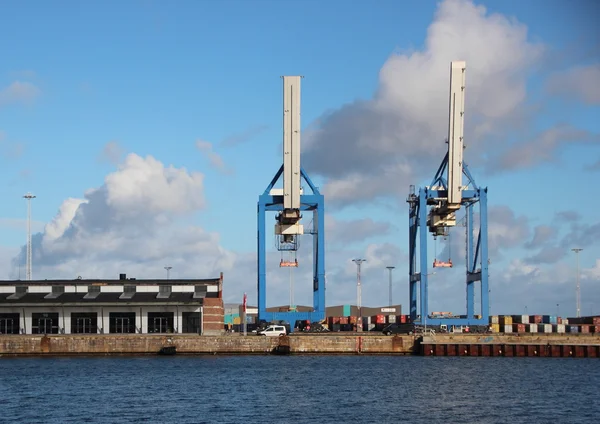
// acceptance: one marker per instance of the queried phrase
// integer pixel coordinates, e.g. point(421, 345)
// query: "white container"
point(532, 328)
point(560, 328)
point(391, 319)
point(565, 321)
point(508, 328)
point(494, 319)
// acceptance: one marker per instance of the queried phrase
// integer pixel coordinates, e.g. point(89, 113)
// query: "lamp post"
point(358, 263)
point(29, 196)
point(168, 268)
point(390, 268)
point(578, 290)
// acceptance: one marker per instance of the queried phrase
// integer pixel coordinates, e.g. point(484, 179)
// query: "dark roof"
point(127, 282)
point(102, 298)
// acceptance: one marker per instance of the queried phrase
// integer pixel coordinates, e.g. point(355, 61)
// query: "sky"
point(148, 129)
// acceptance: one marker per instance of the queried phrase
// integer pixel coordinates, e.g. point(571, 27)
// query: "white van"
point(273, 330)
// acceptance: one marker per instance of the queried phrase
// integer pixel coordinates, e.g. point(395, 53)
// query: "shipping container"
point(352, 320)
point(558, 328)
point(378, 319)
point(520, 319)
point(495, 328)
point(346, 310)
point(343, 320)
point(573, 329)
point(559, 320)
point(237, 320)
point(518, 328)
point(532, 328)
point(508, 328)
point(549, 319)
point(565, 321)
point(336, 320)
point(595, 329)
point(391, 319)
point(494, 319)
point(505, 320)
point(370, 327)
point(584, 328)
point(544, 328)
point(537, 319)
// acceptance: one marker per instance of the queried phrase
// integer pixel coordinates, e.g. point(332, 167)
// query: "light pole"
point(358, 263)
point(390, 268)
point(578, 292)
point(168, 268)
point(29, 196)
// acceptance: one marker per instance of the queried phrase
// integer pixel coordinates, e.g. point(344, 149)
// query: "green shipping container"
point(347, 311)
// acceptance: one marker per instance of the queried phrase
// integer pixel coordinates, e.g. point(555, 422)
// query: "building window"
point(21, 289)
point(58, 289)
point(121, 322)
point(93, 289)
point(160, 322)
point(9, 323)
point(191, 322)
point(84, 322)
point(44, 323)
point(129, 289)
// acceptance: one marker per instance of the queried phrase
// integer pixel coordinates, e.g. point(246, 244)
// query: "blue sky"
point(83, 85)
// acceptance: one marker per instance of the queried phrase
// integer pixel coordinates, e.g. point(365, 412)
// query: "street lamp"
point(578, 291)
point(168, 268)
point(358, 263)
point(28, 277)
point(390, 268)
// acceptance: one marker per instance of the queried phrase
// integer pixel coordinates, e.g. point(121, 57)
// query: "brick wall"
point(213, 317)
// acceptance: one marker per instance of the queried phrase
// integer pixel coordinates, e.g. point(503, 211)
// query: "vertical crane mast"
point(288, 220)
point(456, 133)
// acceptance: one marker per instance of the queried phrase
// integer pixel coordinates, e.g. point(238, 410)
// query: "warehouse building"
point(126, 305)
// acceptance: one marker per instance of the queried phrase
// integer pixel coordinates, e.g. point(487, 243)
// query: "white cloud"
point(215, 160)
point(112, 152)
point(397, 137)
point(19, 92)
point(580, 82)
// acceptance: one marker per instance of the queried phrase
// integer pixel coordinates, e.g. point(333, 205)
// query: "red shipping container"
point(584, 329)
point(595, 329)
point(402, 319)
point(343, 320)
point(596, 320)
point(558, 320)
point(537, 319)
point(519, 328)
point(378, 319)
point(336, 320)
point(352, 320)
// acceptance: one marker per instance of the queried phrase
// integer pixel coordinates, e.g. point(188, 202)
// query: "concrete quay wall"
point(16, 345)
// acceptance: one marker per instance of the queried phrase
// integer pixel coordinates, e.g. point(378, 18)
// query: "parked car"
point(273, 331)
point(398, 328)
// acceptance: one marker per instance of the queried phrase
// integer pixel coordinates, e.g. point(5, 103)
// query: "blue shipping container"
point(549, 319)
point(573, 329)
point(347, 311)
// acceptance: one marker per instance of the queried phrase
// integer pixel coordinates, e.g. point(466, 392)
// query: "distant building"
point(126, 305)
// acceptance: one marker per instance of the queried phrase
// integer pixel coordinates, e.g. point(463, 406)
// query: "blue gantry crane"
point(434, 210)
point(289, 202)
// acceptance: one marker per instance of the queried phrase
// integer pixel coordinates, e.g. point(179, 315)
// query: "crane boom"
point(288, 220)
point(456, 133)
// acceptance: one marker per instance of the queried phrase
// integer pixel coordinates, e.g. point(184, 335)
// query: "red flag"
point(245, 299)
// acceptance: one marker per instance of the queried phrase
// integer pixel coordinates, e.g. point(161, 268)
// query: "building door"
point(121, 325)
point(191, 322)
point(160, 322)
point(122, 322)
point(9, 323)
point(160, 325)
point(84, 322)
point(6, 325)
point(44, 323)
point(45, 326)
